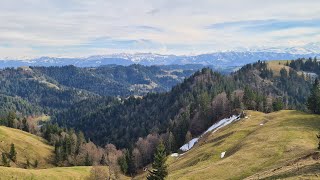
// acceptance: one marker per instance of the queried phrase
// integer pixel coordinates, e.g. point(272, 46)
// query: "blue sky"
point(33, 28)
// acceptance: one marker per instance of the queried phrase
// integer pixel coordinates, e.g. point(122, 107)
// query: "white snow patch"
point(189, 145)
point(174, 155)
point(223, 154)
point(222, 123)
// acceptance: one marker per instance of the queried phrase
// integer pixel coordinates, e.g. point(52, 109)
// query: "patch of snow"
point(189, 145)
point(223, 154)
point(222, 123)
point(174, 155)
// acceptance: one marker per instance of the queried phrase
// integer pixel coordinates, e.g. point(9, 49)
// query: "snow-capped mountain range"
point(219, 59)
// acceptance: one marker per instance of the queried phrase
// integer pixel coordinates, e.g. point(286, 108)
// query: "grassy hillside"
point(78, 172)
point(276, 66)
point(259, 146)
point(28, 146)
point(57, 173)
point(32, 147)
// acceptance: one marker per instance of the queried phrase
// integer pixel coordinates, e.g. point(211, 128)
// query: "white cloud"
point(66, 27)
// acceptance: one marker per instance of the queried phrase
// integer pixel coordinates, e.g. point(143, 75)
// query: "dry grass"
point(47, 174)
point(57, 173)
point(250, 148)
point(28, 146)
point(276, 66)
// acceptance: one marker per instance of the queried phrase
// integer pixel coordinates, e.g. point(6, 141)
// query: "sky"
point(76, 28)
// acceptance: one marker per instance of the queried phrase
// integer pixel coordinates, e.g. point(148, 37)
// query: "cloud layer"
point(82, 28)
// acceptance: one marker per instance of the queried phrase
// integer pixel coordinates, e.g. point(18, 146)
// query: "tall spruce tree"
point(87, 161)
point(13, 153)
point(314, 98)
point(11, 117)
point(159, 168)
point(25, 125)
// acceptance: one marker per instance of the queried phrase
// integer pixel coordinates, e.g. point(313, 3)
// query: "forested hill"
point(37, 90)
point(113, 80)
point(189, 108)
point(25, 91)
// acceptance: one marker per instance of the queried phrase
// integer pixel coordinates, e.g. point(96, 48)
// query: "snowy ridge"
point(222, 123)
point(218, 59)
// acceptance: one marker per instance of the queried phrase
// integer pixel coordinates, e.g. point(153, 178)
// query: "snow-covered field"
point(220, 124)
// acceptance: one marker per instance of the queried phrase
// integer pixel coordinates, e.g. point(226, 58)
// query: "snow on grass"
point(174, 155)
point(223, 154)
point(222, 123)
point(189, 145)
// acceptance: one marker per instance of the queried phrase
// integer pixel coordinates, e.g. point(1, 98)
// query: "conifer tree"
point(87, 161)
point(13, 153)
point(25, 125)
point(11, 117)
point(159, 171)
point(314, 98)
point(122, 161)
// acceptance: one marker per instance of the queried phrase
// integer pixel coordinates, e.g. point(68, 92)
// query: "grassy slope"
point(250, 148)
point(276, 66)
point(78, 172)
point(28, 146)
point(57, 173)
point(34, 147)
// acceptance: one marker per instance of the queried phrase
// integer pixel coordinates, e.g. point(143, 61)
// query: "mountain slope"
point(200, 100)
point(38, 90)
point(123, 123)
point(255, 144)
point(28, 146)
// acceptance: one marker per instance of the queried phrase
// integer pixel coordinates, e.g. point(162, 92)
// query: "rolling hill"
point(264, 146)
point(28, 146)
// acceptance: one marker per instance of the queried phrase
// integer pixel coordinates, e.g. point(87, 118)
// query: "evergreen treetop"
point(159, 166)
